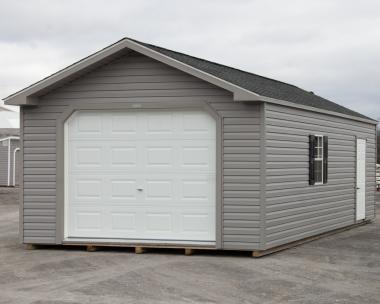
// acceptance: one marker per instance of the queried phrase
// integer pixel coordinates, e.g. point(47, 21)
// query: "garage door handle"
point(140, 189)
point(357, 188)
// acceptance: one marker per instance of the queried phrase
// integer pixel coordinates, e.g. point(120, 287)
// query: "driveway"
point(343, 268)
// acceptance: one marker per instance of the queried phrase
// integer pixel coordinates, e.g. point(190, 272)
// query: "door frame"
point(357, 139)
point(134, 106)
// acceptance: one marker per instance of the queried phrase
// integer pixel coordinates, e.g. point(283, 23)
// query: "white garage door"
point(140, 175)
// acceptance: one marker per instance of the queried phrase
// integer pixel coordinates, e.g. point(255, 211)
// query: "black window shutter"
point(325, 158)
point(311, 159)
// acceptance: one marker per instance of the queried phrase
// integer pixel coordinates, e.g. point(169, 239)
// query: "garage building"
point(137, 144)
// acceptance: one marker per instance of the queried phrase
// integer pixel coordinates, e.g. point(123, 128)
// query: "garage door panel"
point(86, 156)
point(123, 189)
point(202, 127)
point(87, 189)
point(123, 156)
point(159, 123)
point(136, 223)
point(142, 175)
point(159, 222)
point(196, 190)
point(196, 222)
point(89, 123)
point(123, 222)
point(139, 125)
point(123, 124)
point(159, 189)
point(87, 221)
point(197, 156)
point(161, 156)
point(187, 155)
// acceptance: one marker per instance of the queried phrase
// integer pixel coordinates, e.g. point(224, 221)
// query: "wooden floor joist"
point(140, 250)
point(189, 251)
point(30, 246)
point(91, 248)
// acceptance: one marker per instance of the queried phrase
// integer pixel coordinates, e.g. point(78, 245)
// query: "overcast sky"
point(331, 47)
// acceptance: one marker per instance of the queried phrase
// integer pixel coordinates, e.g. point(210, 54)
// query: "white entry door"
point(140, 175)
point(360, 178)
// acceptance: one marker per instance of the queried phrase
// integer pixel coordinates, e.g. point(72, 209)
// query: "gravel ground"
point(343, 268)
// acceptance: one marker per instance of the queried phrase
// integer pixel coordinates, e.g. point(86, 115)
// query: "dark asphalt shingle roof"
point(255, 83)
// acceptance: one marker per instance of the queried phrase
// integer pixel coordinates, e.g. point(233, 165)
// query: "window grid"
point(318, 160)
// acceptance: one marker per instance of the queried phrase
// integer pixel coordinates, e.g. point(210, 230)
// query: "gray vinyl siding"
point(295, 210)
point(241, 175)
point(3, 163)
point(136, 78)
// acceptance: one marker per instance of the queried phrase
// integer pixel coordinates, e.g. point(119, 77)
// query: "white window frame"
point(319, 158)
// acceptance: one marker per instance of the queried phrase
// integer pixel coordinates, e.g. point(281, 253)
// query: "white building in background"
point(9, 146)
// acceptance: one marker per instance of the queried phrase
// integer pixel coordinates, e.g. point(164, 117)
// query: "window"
point(318, 159)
